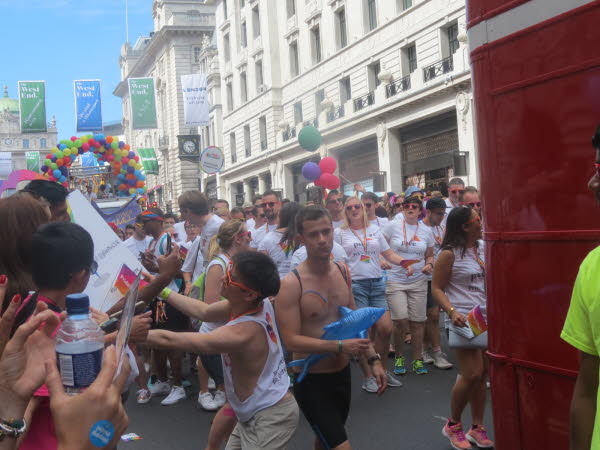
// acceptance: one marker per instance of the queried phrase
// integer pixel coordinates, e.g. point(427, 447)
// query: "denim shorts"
point(369, 292)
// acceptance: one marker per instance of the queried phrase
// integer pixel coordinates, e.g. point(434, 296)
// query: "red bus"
point(536, 76)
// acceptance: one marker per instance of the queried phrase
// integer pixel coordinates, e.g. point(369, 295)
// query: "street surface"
point(408, 417)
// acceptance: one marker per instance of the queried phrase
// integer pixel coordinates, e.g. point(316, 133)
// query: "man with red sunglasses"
point(470, 197)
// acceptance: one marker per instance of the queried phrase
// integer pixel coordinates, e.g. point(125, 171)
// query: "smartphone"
point(110, 325)
point(139, 308)
point(169, 244)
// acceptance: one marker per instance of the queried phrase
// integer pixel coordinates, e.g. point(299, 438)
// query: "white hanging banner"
point(195, 100)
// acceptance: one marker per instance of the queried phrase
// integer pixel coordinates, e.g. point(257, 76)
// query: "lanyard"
point(364, 243)
point(478, 259)
point(438, 238)
point(153, 244)
point(404, 231)
point(247, 313)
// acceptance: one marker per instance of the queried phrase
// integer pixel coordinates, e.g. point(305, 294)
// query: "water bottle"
point(79, 346)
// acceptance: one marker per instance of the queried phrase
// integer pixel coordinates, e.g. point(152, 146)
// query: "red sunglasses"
point(350, 207)
point(473, 220)
point(229, 282)
point(246, 233)
point(411, 206)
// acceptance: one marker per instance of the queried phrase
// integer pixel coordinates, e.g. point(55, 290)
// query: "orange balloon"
point(139, 184)
point(59, 162)
point(109, 139)
point(130, 176)
point(126, 147)
point(122, 187)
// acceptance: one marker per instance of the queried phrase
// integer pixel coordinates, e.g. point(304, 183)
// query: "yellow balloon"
point(138, 166)
point(132, 190)
point(131, 162)
point(54, 150)
point(67, 152)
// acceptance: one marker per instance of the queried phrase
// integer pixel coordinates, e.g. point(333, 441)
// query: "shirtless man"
point(309, 299)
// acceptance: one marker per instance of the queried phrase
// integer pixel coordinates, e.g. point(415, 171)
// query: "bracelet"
point(451, 309)
point(165, 293)
point(12, 428)
point(339, 346)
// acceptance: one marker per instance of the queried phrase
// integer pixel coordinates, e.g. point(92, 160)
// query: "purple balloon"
point(130, 169)
point(311, 171)
point(44, 169)
point(131, 155)
point(121, 144)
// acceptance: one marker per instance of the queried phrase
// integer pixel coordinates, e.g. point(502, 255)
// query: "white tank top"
point(466, 287)
point(273, 382)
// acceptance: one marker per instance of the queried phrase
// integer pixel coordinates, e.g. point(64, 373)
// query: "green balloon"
point(59, 155)
point(77, 143)
point(47, 162)
point(114, 145)
point(71, 144)
point(54, 166)
point(309, 138)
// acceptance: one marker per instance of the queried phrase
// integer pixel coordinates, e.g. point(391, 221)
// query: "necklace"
point(404, 231)
point(247, 313)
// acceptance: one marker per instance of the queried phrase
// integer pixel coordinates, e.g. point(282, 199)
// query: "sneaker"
point(370, 385)
point(479, 437)
point(456, 436)
point(399, 368)
point(427, 357)
point(206, 402)
point(392, 381)
point(160, 388)
point(177, 394)
point(440, 361)
point(143, 396)
point(419, 368)
point(211, 384)
point(220, 398)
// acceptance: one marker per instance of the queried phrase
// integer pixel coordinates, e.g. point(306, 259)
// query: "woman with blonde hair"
point(364, 243)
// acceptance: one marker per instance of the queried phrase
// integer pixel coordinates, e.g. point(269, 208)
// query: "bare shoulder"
point(289, 290)
point(446, 256)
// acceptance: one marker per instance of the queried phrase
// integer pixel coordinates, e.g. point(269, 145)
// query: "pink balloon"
point(329, 181)
point(328, 165)
point(85, 146)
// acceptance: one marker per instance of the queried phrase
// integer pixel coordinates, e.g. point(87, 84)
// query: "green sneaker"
point(418, 367)
point(399, 368)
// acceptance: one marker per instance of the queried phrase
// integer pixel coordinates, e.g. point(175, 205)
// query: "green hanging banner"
point(32, 106)
point(33, 161)
point(148, 160)
point(143, 103)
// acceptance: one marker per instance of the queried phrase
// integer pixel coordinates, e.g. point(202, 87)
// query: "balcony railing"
point(163, 141)
point(335, 113)
point(312, 122)
point(401, 85)
point(248, 150)
point(364, 101)
point(289, 134)
point(263, 144)
point(439, 68)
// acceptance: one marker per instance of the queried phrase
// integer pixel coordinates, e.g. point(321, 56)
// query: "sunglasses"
point(331, 202)
point(229, 282)
point(246, 233)
point(351, 207)
point(368, 205)
point(262, 216)
point(475, 219)
point(268, 204)
point(457, 191)
point(471, 204)
point(411, 206)
point(397, 205)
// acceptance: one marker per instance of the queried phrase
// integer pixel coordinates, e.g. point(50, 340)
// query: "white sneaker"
point(370, 385)
point(211, 384)
point(427, 357)
point(177, 394)
point(392, 381)
point(143, 396)
point(160, 388)
point(440, 361)
point(206, 402)
point(220, 398)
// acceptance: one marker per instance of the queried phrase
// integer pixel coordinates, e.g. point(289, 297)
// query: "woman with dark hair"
point(458, 286)
point(280, 244)
point(20, 216)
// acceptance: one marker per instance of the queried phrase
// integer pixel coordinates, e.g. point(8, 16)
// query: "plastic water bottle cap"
point(78, 304)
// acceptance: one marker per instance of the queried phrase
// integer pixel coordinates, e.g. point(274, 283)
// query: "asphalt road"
point(407, 417)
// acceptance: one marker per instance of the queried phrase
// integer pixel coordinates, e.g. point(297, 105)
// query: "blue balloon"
point(142, 177)
point(137, 174)
point(62, 146)
point(102, 141)
point(107, 146)
point(140, 191)
point(130, 169)
point(121, 144)
point(57, 173)
point(62, 179)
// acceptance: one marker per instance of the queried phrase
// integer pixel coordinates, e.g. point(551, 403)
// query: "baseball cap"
point(411, 190)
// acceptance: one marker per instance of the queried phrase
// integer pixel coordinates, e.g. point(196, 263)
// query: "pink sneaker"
point(456, 436)
point(478, 436)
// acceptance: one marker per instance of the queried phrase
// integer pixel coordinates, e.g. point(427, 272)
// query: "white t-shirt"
point(278, 251)
point(250, 224)
point(362, 262)
point(180, 236)
point(411, 242)
point(337, 254)
point(259, 235)
point(337, 224)
point(207, 327)
point(466, 286)
point(194, 260)
point(137, 246)
point(399, 216)
point(437, 233)
point(449, 207)
point(380, 222)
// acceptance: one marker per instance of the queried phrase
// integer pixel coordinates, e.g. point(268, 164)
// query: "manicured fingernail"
point(2, 279)
point(17, 298)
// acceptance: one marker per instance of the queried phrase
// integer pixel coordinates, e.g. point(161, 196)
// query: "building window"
point(243, 87)
point(298, 116)
point(243, 35)
point(291, 8)
point(452, 33)
point(226, 47)
point(43, 143)
point(242, 3)
point(225, 12)
point(319, 97)
point(229, 97)
point(211, 134)
point(255, 22)
point(247, 144)
point(25, 143)
point(345, 90)
point(403, 5)
point(341, 30)
point(315, 37)
point(258, 69)
point(371, 14)
point(197, 51)
point(232, 148)
point(294, 63)
point(373, 75)
point(262, 128)
point(409, 59)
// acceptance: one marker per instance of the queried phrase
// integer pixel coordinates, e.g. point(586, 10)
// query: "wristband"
point(165, 293)
point(339, 346)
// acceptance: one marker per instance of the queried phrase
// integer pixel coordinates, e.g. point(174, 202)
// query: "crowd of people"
point(240, 292)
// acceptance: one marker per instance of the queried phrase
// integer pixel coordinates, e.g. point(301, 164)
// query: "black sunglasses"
point(350, 207)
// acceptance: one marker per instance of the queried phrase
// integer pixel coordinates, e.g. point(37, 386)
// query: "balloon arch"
point(125, 164)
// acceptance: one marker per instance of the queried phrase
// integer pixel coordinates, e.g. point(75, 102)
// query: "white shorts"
point(407, 301)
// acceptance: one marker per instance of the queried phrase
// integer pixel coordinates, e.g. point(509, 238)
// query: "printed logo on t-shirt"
point(270, 329)
point(365, 258)
point(285, 247)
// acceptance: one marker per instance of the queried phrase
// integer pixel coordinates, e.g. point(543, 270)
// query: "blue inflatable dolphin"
point(352, 325)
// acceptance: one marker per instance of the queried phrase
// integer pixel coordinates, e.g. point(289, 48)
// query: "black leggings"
point(324, 399)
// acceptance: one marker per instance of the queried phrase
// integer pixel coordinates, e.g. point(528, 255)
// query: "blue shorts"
point(369, 292)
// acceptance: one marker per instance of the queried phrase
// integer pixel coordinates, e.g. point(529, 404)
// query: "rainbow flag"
point(476, 321)
point(408, 262)
point(365, 258)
